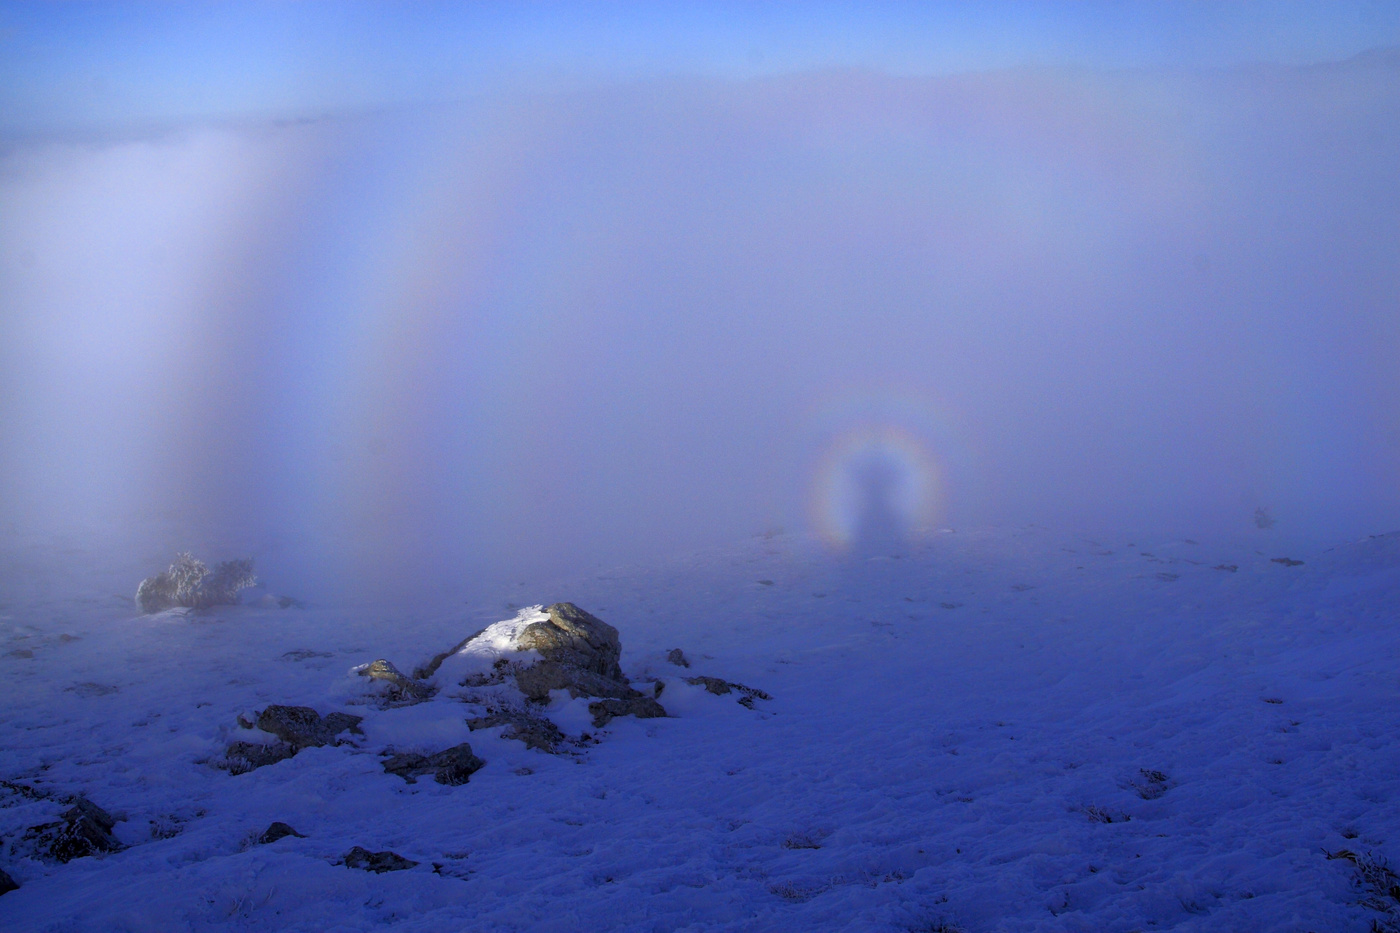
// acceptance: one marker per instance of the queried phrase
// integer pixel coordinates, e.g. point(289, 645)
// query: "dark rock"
point(575, 638)
point(302, 727)
point(83, 829)
point(721, 687)
point(1228, 568)
point(396, 689)
point(242, 757)
point(7, 884)
point(303, 654)
point(451, 766)
point(643, 707)
point(380, 862)
point(677, 657)
point(1288, 562)
point(535, 731)
point(537, 680)
point(278, 830)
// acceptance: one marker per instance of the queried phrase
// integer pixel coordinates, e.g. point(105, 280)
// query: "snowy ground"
point(992, 732)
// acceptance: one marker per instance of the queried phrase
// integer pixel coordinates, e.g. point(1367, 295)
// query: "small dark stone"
point(398, 690)
point(677, 657)
point(713, 684)
point(242, 757)
point(7, 884)
point(84, 829)
point(1288, 562)
point(451, 766)
point(535, 731)
point(278, 830)
point(721, 687)
point(643, 707)
point(302, 727)
point(379, 862)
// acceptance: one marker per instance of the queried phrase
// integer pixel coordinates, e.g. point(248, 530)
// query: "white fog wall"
point(542, 332)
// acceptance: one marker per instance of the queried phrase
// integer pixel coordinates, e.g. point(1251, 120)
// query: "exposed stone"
point(380, 862)
point(537, 680)
point(575, 638)
point(242, 757)
point(83, 829)
point(721, 687)
point(677, 657)
point(396, 689)
point(643, 707)
point(303, 727)
point(189, 583)
point(297, 727)
point(7, 884)
point(278, 830)
point(451, 766)
point(535, 731)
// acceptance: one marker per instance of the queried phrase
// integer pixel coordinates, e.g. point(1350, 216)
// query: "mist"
point(553, 330)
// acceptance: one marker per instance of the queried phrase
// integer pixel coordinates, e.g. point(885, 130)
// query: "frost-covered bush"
point(190, 583)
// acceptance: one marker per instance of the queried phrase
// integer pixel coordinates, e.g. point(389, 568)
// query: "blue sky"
point(84, 65)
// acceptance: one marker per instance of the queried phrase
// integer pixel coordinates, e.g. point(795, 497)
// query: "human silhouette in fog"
point(879, 528)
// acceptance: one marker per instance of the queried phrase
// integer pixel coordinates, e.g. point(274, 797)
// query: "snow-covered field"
point(1008, 731)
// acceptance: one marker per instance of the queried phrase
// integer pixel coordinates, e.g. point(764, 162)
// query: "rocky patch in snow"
point(451, 766)
point(379, 862)
point(295, 728)
point(747, 695)
point(392, 687)
point(82, 828)
point(189, 583)
point(513, 669)
point(277, 830)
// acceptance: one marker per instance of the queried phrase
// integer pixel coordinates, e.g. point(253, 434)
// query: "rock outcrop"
point(191, 584)
point(296, 728)
point(83, 829)
point(278, 830)
point(720, 687)
point(379, 862)
point(393, 686)
point(451, 766)
point(543, 650)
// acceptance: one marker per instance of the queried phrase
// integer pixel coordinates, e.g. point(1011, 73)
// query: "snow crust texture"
point(1010, 731)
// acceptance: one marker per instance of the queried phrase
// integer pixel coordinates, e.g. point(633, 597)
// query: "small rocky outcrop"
point(575, 639)
point(7, 884)
point(83, 829)
point(677, 657)
point(393, 686)
point(575, 652)
point(188, 582)
point(278, 830)
point(639, 705)
point(242, 757)
point(451, 766)
point(720, 687)
point(379, 862)
point(303, 727)
point(296, 728)
point(535, 731)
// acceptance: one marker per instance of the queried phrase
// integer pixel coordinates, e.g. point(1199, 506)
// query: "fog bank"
point(545, 332)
